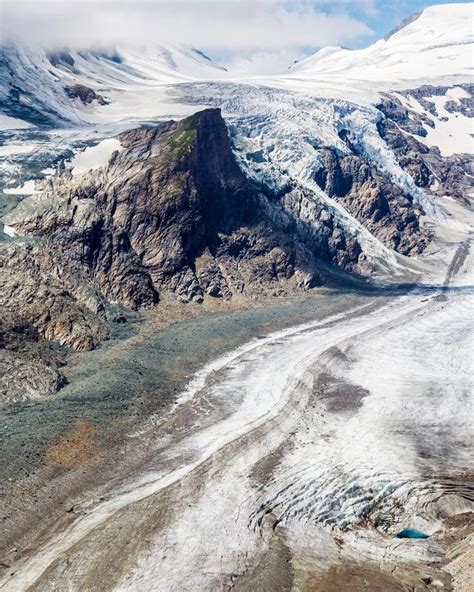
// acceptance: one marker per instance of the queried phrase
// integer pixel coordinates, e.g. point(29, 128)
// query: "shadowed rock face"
point(380, 205)
point(172, 211)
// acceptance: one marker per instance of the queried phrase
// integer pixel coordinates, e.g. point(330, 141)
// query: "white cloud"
point(265, 31)
point(269, 62)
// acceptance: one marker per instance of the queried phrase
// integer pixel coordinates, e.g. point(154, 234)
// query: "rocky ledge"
point(171, 212)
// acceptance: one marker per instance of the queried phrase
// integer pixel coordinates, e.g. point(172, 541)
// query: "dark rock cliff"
point(380, 205)
point(172, 211)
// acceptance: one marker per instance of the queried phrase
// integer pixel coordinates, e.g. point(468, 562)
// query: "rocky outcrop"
point(44, 298)
point(173, 211)
point(401, 128)
point(42, 290)
point(29, 366)
point(322, 232)
point(25, 378)
point(462, 105)
point(85, 94)
point(380, 205)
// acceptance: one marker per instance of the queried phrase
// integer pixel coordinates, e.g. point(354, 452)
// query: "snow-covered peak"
point(171, 64)
point(433, 44)
point(131, 65)
point(140, 83)
point(108, 84)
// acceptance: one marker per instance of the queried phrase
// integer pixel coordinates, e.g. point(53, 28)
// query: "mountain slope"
point(172, 212)
point(435, 44)
point(65, 87)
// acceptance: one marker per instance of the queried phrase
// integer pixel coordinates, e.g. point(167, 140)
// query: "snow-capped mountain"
point(125, 67)
point(434, 44)
point(30, 89)
point(433, 47)
point(354, 148)
point(70, 86)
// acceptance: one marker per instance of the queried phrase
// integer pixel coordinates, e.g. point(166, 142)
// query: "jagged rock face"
point(443, 175)
point(43, 299)
point(40, 288)
point(29, 366)
point(172, 211)
point(320, 230)
point(380, 205)
point(85, 94)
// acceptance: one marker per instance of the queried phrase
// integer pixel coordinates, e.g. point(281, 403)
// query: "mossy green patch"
point(182, 138)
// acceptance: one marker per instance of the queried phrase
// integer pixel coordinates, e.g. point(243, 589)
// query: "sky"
point(243, 35)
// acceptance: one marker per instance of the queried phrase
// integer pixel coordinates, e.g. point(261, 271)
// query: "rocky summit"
point(171, 212)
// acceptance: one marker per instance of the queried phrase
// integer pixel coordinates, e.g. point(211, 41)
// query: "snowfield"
point(7, 123)
point(453, 132)
point(28, 188)
point(95, 156)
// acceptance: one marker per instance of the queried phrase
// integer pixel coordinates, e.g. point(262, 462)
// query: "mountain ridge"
point(452, 24)
point(34, 81)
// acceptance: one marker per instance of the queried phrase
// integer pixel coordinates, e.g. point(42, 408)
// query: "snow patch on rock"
point(95, 157)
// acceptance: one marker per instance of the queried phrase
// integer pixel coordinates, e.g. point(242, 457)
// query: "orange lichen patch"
point(78, 447)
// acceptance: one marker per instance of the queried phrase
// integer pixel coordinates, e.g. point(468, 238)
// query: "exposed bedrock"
point(85, 94)
point(39, 287)
point(29, 366)
point(380, 205)
point(173, 211)
point(43, 300)
point(403, 130)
